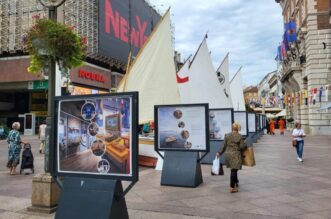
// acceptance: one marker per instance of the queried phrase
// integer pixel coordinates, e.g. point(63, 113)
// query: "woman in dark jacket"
point(233, 146)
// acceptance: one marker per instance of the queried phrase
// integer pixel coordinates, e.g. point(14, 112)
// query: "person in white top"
point(298, 134)
point(42, 137)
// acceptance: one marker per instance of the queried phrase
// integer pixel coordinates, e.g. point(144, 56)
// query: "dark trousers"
point(234, 178)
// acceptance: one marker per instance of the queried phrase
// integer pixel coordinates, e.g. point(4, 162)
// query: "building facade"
point(23, 94)
point(251, 95)
point(306, 72)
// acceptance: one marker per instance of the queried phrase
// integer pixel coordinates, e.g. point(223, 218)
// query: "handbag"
point(215, 169)
point(248, 158)
point(294, 143)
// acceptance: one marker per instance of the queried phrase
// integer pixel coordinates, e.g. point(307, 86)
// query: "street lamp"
point(45, 193)
point(52, 6)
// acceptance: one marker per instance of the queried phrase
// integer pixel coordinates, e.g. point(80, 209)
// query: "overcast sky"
point(249, 29)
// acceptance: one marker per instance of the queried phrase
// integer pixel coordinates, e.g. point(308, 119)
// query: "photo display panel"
point(220, 123)
point(181, 127)
point(96, 136)
point(258, 122)
point(241, 117)
point(252, 122)
point(261, 121)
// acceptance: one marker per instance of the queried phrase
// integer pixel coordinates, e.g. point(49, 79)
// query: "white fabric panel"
point(153, 72)
point(237, 93)
point(224, 70)
point(203, 82)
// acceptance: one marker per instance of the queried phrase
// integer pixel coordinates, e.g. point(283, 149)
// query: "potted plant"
point(48, 41)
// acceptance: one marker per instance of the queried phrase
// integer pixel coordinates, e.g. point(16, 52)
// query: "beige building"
point(308, 64)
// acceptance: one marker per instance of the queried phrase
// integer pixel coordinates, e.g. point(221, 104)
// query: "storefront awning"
point(281, 113)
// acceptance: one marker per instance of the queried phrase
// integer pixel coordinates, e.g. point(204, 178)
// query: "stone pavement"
point(277, 187)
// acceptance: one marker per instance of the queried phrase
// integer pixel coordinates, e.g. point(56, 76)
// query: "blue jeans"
point(300, 148)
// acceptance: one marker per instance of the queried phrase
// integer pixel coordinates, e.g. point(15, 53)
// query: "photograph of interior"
point(94, 136)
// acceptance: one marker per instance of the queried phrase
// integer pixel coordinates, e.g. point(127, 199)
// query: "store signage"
point(124, 24)
point(91, 76)
point(40, 113)
point(38, 85)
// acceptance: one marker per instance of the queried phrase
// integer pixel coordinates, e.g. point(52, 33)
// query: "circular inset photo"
point(178, 114)
point(103, 166)
point(185, 134)
point(92, 129)
point(88, 111)
point(188, 145)
point(98, 147)
point(181, 124)
point(212, 115)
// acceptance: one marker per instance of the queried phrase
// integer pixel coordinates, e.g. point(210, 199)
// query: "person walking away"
point(233, 147)
point(298, 134)
point(268, 126)
point(281, 125)
point(42, 137)
point(272, 126)
point(14, 148)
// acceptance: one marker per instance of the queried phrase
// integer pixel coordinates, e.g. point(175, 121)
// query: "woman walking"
point(233, 146)
point(14, 148)
point(298, 134)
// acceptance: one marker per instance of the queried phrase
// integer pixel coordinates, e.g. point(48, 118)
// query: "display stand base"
point(91, 198)
point(255, 137)
point(214, 148)
point(181, 168)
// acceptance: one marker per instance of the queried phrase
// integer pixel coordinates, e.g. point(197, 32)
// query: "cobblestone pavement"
point(277, 187)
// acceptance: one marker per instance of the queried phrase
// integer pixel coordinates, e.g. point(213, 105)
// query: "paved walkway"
point(277, 187)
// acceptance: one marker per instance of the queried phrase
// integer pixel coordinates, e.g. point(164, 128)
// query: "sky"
point(249, 30)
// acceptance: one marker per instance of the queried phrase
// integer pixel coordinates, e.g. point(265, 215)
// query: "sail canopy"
point(153, 72)
point(224, 78)
point(202, 85)
point(237, 92)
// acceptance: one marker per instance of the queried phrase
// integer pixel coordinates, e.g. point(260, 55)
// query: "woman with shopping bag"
point(233, 146)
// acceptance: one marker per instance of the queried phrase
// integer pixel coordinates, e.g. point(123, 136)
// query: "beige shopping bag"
point(248, 157)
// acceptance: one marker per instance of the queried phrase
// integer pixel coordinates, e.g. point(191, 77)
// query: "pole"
point(48, 165)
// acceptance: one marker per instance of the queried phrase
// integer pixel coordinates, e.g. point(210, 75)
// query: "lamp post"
point(52, 6)
point(45, 193)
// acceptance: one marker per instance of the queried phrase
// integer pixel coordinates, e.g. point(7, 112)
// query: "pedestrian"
point(272, 126)
point(281, 125)
point(268, 127)
point(298, 134)
point(42, 137)
point(233, 147)
point(14, 147)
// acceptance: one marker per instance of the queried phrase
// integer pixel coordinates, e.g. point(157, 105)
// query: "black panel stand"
point(249, 139)
point(91, 198)
point(255, 137)
point(214, 146)
point(181, 168)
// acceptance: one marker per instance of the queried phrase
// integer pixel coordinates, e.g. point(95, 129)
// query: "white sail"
point(237, 93)
point(203, 82)
point(224, 78)
point(153, 72)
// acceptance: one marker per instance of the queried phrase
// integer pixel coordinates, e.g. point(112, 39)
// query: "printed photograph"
point(220, 123)
point(94, 136)
point(181, 128)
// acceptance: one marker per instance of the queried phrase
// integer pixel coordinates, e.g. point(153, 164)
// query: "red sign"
point(91, 76)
